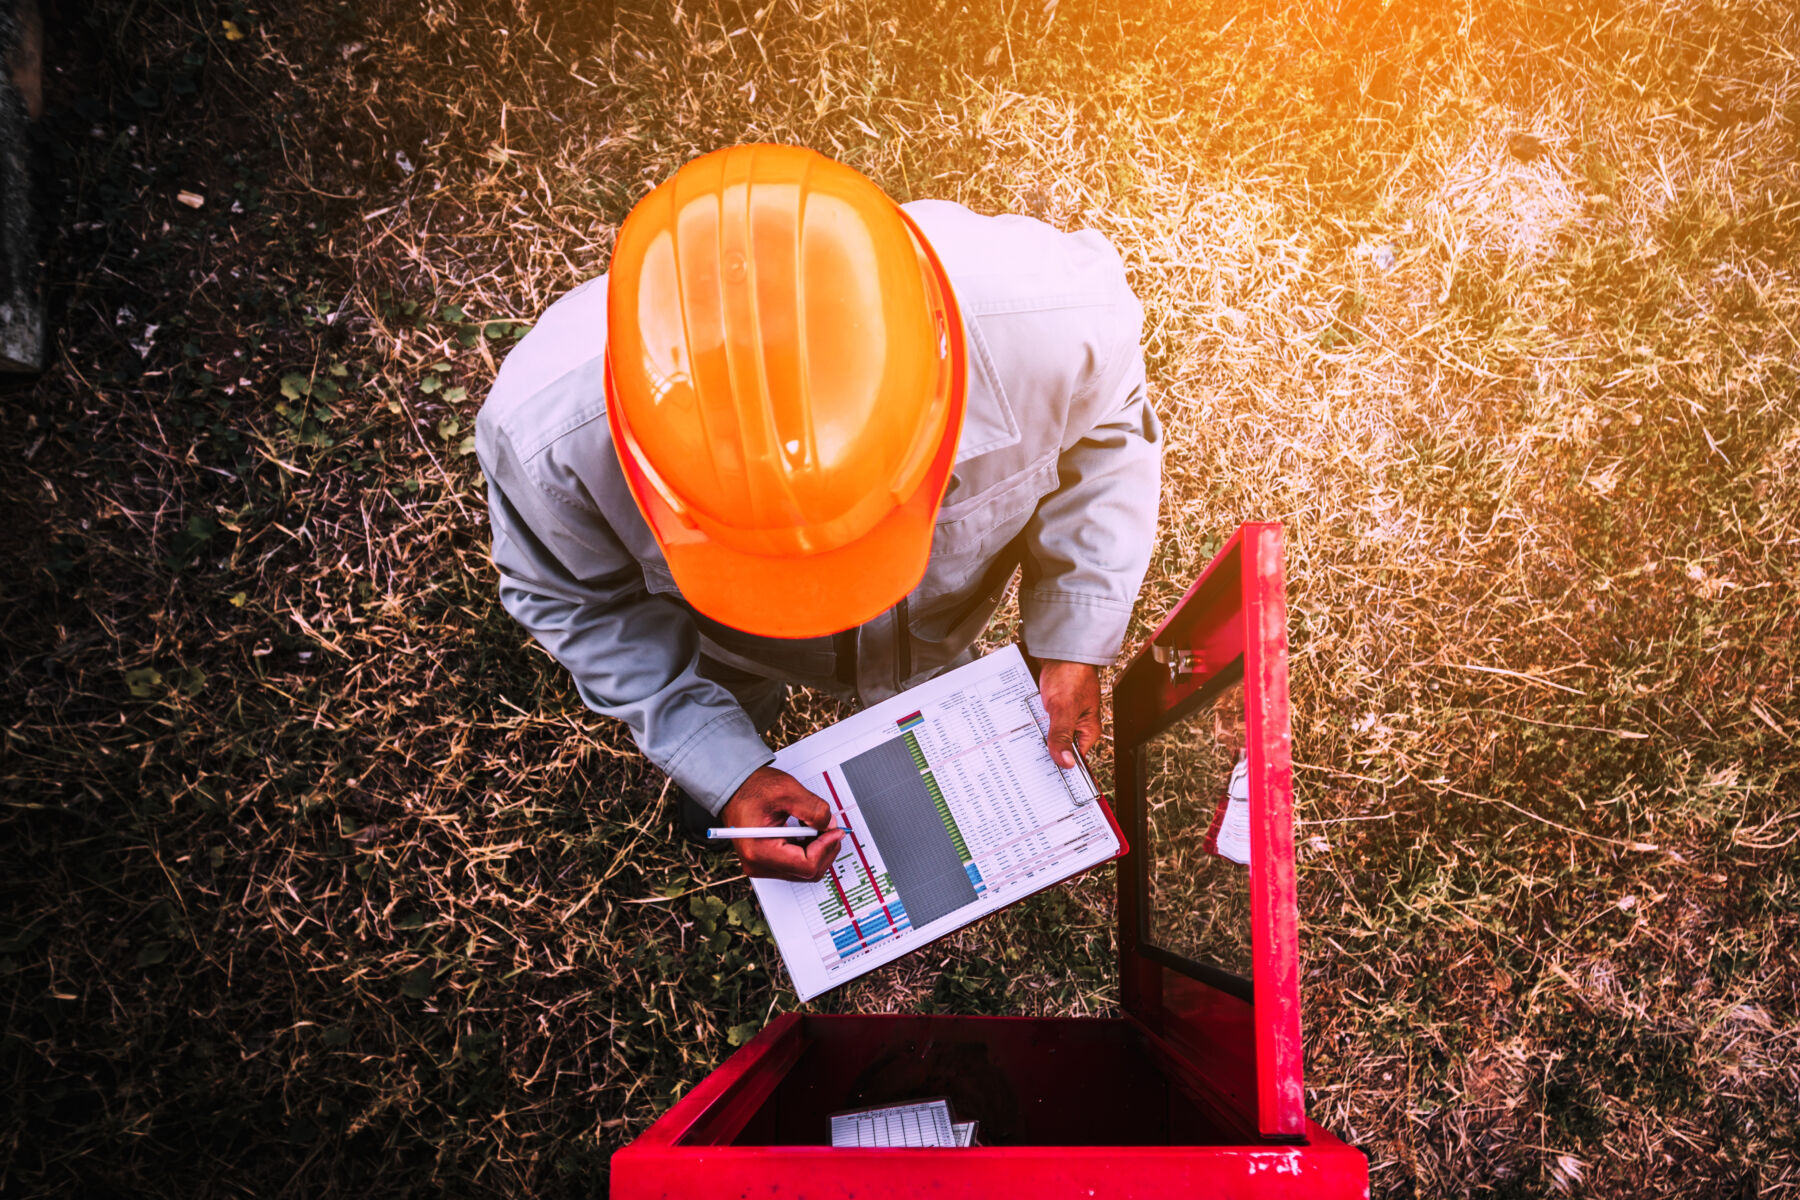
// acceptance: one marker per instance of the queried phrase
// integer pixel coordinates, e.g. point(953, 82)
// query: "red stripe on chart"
point(845, 901)
point(857, 842)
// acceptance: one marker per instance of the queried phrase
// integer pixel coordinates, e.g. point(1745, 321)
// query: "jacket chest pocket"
point(658, 581)
point(971, 532)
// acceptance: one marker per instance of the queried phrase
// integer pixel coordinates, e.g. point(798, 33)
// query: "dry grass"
point(320, 880)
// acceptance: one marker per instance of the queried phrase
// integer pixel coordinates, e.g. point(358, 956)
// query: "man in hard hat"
point(801, 434)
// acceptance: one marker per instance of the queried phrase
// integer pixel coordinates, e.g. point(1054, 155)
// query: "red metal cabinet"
point(1196, 1090)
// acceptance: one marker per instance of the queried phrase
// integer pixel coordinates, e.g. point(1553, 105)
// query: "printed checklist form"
point(953, 809)
point(927, 1123)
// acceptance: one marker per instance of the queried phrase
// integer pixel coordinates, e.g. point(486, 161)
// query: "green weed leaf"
point(144, 682)
point(417, 983)
point(707, 910)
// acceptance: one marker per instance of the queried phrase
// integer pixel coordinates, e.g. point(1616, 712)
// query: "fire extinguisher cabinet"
point(1195, 1090)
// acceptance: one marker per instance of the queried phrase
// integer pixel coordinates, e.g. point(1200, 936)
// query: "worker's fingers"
point(1087, 729)
point(804, 805)
point(822, 852)
point(764, 859)
point(1068, 722)
point(769, 797)
point(1062, 738)
point(1071, 694)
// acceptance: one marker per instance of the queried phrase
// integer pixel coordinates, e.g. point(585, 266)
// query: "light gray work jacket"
point(1058, 469)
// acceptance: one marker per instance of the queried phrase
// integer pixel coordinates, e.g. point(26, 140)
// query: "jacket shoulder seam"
point(1022, 304)
point(556, 433)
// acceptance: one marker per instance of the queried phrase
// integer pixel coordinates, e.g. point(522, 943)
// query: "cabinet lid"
point(1208, 921)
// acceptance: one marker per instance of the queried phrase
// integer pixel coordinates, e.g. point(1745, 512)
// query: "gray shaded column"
point(899, 816)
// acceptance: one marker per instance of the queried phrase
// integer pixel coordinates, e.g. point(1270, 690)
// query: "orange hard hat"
point(784, 379)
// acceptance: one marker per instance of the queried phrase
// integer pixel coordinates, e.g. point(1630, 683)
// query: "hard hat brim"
point(818, 594)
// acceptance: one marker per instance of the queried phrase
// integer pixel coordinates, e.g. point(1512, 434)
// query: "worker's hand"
point(769, 797)
point(1071, 693)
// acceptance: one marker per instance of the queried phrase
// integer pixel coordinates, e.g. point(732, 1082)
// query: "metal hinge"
point(1179, 662)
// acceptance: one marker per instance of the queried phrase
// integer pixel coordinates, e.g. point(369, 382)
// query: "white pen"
point(764, 831)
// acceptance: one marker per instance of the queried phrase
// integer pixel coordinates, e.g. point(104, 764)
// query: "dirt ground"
point(319, 880)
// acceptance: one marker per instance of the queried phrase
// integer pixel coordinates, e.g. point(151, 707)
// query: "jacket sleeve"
point(568, 580)
point(1088, 544)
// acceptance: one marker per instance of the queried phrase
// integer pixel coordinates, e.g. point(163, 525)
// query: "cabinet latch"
point(1179, 662)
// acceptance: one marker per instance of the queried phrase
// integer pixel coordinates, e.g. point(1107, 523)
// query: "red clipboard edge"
point(1124, 846)
point(1100, 798)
